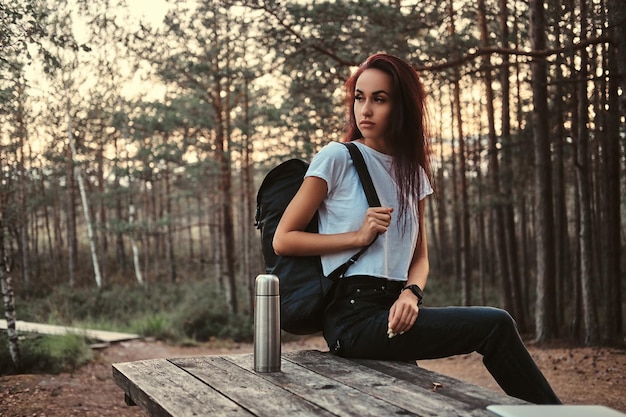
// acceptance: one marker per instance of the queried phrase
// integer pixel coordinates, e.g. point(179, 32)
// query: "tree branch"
point(509, 51)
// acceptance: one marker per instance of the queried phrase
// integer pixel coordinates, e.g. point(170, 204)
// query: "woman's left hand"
point(403, 313)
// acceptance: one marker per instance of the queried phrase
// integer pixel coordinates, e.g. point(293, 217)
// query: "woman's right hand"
point(291, 239)
point(376, 222)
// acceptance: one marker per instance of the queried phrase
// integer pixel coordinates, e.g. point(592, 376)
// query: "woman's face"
point(372, 104)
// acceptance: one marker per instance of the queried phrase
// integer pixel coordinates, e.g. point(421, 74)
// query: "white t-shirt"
point(344, 207)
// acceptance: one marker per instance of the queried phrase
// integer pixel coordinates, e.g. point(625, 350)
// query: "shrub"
point(158, 326)
point(172, 312)
point(204, 314)
point(46, 354)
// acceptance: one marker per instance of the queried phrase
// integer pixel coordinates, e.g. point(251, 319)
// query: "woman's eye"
point(358, 98)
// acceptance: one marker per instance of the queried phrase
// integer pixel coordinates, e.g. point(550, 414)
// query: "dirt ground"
point(578, 375)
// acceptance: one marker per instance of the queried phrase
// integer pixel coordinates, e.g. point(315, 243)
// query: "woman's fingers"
point(377, 220)
point(402, 316)
point(379, 216)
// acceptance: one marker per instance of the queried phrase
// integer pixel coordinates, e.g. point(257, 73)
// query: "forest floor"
point(578, 375)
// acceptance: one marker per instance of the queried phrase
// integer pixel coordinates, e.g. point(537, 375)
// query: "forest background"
point(131, 150)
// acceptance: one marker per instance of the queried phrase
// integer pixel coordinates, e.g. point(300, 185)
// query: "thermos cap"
point(267, 285)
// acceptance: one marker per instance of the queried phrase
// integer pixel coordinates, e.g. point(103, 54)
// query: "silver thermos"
point(267, 324)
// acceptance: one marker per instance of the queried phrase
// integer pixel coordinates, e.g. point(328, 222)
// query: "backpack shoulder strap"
point(372, 200)
point(364, 175)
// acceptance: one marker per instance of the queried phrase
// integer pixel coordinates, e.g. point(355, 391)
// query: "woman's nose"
point(366, 109)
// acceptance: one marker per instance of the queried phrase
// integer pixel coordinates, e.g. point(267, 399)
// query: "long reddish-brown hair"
point(407, 137)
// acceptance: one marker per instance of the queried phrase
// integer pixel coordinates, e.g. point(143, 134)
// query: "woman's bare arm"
point(291, 239)
point(404, 311)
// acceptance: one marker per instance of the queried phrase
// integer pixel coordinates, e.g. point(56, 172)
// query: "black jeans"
point(356, 326)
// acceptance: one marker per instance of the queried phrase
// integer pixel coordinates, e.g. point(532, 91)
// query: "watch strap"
point(415, 289)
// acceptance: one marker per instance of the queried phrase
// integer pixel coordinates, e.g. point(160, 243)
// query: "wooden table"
point(311, 383)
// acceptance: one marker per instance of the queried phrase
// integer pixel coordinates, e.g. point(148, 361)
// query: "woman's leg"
point(357, 327)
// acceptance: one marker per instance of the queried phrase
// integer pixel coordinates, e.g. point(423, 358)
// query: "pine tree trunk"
point(432, 218)
point(72, 239)
point(481, 241)
point(617, 72)
point(202, 246)
point(464, 218)
point(545, 317)
point(442, 214)
point(120, 250)
point(588, 287)
point(224, 242)
point(508, 211)
point(22, 215)
point(562, 251)
point(456, 242)
point(46, 217)
point(494, 176)
point(617, 19)
point(102, 207)
point(228, 229)
point(249, 204)
point(169, 228)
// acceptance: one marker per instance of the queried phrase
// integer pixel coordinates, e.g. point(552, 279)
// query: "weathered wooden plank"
point(41, 328)
point(333, 396)
point(413, 398)
point(311, 383)
point(162, 389)
point(468, 393)
point(247, 388)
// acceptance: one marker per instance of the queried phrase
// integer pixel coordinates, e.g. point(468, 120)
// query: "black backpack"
point(303, 286)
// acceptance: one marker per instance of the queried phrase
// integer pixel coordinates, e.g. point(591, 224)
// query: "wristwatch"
point(415, 289)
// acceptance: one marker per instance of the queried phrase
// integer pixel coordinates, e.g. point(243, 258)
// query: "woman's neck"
point(376, 144)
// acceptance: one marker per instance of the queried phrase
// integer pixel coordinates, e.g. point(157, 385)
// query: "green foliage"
point(21, 23)
point(46, 354)
point(443, 290)
point(205, 315)
point(195, 310)
point(158, 326)
point(189, 312)
point(118, 304)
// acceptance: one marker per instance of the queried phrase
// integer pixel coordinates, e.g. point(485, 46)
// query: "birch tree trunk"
point(83, 198)
point(6, 286)
point(133, 242)
point(8, 298)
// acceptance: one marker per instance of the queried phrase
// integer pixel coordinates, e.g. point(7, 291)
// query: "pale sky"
point(151, 11)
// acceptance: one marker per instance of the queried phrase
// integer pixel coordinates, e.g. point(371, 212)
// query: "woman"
point(375, 310)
